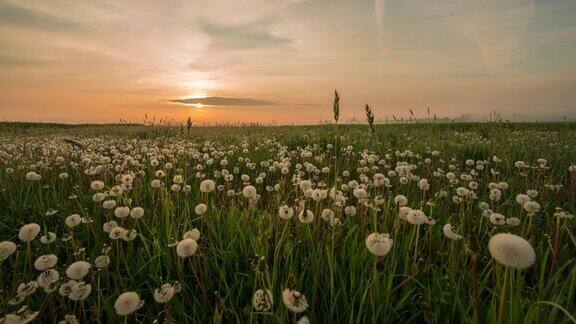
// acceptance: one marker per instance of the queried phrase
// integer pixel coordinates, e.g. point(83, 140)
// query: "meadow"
point(402, 222)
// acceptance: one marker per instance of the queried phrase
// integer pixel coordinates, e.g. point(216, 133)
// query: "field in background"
point(247, 243)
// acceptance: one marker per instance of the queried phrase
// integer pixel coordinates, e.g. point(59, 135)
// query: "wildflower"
point(400, 200)
point(65, 288)
point(511, 251)
point(513, 221)
point(416, 217)
point(48, 238)
point(449, 233)
point(73, 220)
point(294, 301)
point(137, 212)
point(127, 303)
point(33, 176)
point(497, 219)
point(164, 294)
point(306, 216)
point(262, 300)
point(48, 278)
point(46, 261)
point(102, 261)
point(285, 212)
point(7, 248)
point(186, 248)
point(78, 270)
point(109, 204)
point(350, 211)
point(303, 320)
point(97, 185)
point(532, 207)
point(122, 211)
point(80, 291)
point(155, 184)
point(327, 214)
point(207, 186)
point(522, 199)
point(201, 209)
point(29, 232)
point(249, 192)
point(379, 244)
point(193, 234)
point(27, 289)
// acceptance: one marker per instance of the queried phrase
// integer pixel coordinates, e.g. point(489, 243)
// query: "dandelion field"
point(285, 224)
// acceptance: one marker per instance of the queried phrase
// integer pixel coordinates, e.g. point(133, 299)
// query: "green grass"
point(243, 249)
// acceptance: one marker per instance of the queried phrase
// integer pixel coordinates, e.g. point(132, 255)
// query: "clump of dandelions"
point(379, 244)
point(127, 303)
point(294, 300)
point(514, 252)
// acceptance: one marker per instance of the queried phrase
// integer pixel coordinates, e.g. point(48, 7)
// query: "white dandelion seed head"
point(379, 244)
point(511, 251)
point(186, 248)
point(294, 301)
point(29, 232)
point(45, 262)
point(7, 248)
point(78, 270)
point(127, 303)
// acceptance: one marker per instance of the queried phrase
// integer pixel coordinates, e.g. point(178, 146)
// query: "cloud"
point(224, 102)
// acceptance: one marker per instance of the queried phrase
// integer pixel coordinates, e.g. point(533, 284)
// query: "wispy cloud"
point(224, 102)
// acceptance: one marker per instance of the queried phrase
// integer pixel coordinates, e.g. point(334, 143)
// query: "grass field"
point(273, 224)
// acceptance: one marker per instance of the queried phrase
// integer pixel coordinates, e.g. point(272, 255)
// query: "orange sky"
point(88, 61)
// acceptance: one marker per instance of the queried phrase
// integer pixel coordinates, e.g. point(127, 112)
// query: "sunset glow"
point(85, 61)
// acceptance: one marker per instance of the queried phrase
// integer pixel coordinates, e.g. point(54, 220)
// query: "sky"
point(279, 61)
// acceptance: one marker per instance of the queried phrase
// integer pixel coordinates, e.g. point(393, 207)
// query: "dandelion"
point(7, 248)
point(102, 261)
point(379, 244)
point(78, 270)
point(122, 211)
point(532, 207)
point(511, 251)
point(521, 199)
point(294, 301)
point(350, 211)
point(207, 186)
point(164, 294)
point(449, 233)
point(306, 216)
point(201, 209)
point(73, 220)
point(285, 212)
point(97, 185)
point(29, 232)
point(193, 234)
point(46, 261)
point(109, 204)
point(497, 219)
point(249, 192)
point(48, 278)
point(137, 212)
point(48, 238)
point(416, 217)
point(262, 300)
point(400, 200)
point(127, 303)
point(186, 248)
point(80, 291)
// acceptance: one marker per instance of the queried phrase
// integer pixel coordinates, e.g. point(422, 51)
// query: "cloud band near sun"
point(223, 102)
